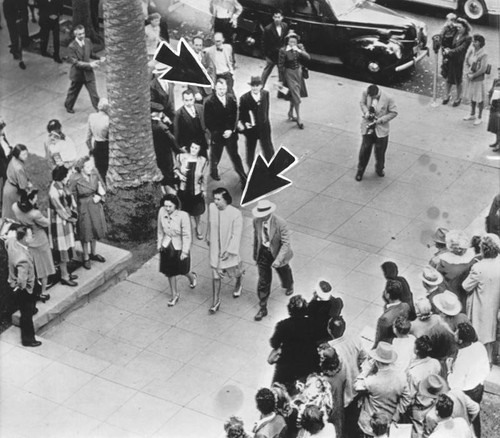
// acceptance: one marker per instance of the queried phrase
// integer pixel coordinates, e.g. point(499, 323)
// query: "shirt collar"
point(262, 421)
point(80, 43)
point(392, 304)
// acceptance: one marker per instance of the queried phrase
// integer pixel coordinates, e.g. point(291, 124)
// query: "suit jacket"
point(260, 113)
point(186, 129)
point(385, 111)
point(219, 118)
point(279, 237)
point(46, 9)
point(385, 322)
point(166, 99)
point(21, 266)
point(165, 148)
point(272, 42)
point(177, 231)
point(4, 159)
point(210, 52)
point(273, 428)
point(81, 71)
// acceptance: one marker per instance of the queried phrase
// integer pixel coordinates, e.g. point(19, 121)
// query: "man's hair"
point(394, 289)
point(466, 333)
point(444, 406)
point(402, 325)
point(336, 326)
point(297, 306)
point(266, 402)
point(380, 423)
point(372, 90)
point(198, 38)
point(331, 362)
point(220, 81)
point(21, 232)
point(278, 11)
point(225, 194)
point(423, 346)
point(187, 93)
point(78, 27)
point(312, 419)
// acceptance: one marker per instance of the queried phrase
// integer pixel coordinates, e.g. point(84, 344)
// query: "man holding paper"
point(254, 120)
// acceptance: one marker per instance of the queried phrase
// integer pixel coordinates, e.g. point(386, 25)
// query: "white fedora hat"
point(431, 276)
point(263, 208)
point(448, 303)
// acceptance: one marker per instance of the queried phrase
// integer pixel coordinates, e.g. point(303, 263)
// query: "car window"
point(273, 4)
point(341, 7)
point(304, 7)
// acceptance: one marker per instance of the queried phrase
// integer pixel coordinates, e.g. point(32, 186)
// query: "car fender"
point(372, 45)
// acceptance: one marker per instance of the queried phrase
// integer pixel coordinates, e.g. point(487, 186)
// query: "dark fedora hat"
point(255, 80)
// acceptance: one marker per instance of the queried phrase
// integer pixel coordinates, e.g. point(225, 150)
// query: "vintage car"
point(474, 10)
point(370, 39)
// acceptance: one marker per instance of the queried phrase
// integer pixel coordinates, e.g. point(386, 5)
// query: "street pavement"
point(126, 365)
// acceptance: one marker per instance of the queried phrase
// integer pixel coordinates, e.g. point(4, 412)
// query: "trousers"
point(476, 394)
point(46, 26)
point(225, 26)
point(268, 68)
point(101, 157)
point(264, 266)
point(252, 135)
point(26, 303)
point(380, 143)
point(217, 144)
point(74, 91)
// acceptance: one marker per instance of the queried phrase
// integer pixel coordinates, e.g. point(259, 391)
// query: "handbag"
point(274, 356)
point(305, 72)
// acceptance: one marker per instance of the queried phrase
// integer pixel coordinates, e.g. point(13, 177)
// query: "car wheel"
point(364, 67)
point(474, 10)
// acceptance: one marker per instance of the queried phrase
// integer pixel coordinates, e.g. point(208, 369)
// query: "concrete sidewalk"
point(127, 365)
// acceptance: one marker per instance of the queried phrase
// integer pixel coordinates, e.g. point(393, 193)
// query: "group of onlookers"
point(431, 353)
point(465, 66)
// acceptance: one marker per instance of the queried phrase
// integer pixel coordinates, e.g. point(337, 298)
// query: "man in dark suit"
point(22, 281)
point(189, 124)
point(273, 39)
point(165, 147)
point(393, 309)
point(254, 120)
point(16, 16)
point(378, 110)
point(221, 115)
point(49, 13)
point(82, 69)
point(162, 92)
point(271, 249)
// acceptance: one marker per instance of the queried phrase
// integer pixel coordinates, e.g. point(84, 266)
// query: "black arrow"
point(185, 66)
point(265, 178)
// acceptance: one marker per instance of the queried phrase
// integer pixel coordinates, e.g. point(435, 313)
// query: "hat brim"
point(422, 389)
point(373, 354)
point(258, 214)
point(432, 283)
point(453, 312)
point(323, 296)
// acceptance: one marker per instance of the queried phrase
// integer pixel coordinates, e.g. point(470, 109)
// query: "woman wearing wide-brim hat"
point(291, 60)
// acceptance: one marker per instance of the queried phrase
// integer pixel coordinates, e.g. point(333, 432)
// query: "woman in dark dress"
point(494, 119)
point(291, 60)
point(88, 189)
point(295, 337)
point(456, 57)
point(174, 244)
point(192, 171)
point(16, 180)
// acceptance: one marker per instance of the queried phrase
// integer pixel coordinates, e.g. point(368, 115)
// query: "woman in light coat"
point(483, 287)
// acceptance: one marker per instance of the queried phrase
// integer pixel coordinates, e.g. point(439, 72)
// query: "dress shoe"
point(32, 344)
point(57, 59)
point(215, 176)
point(86, 264)
point(97, 258)
point(16, 56)
point(469, 117)
point(69, 282)
point(260, 314)
point(457, 102)
point(214, 308)
point(43, 297)
point(22, 65)
point(193, 284)
point(380, 173)
point(359, 176)
point(445, 101)
point(289, 291)
point(70, 110)
point(73, 276)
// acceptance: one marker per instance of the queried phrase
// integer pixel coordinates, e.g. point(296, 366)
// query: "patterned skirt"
point(61, 237)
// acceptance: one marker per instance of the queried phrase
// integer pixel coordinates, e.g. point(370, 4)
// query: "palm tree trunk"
point(132, 187)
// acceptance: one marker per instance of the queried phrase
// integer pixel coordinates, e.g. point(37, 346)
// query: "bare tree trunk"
point(81, 15)
point(132, 204)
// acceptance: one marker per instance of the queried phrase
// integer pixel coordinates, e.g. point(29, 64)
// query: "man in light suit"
point(22, 281)
point(378, 110)
point(273, 39)
point(82, 69)
point(271, 249)
point(189, 124)
point(254, 120)
point(393, 309)
point(221, 56)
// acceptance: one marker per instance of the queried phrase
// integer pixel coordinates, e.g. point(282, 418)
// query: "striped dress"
point(62, 206)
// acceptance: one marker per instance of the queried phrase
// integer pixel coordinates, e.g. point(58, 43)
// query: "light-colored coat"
point(210, 52)
point(385, 111)
point(178, 231)
point(21, 266)
point(279, 237)
point(483, 302)
point(225, 228)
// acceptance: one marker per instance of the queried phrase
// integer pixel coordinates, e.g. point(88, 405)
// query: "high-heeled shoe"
point(214, 308)
point(300, 125)
point(173, 301)
point(193, 284)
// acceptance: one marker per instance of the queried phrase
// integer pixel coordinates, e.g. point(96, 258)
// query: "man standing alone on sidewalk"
point(271, 249)
point(378, 110)
point(49, 12)
point(82, 69)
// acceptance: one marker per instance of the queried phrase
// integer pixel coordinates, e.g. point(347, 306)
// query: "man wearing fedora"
point(254, 120)
point(378, 110)
point(271, 249)
point(385, 387)
point(432, 280)
point(394, 308)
